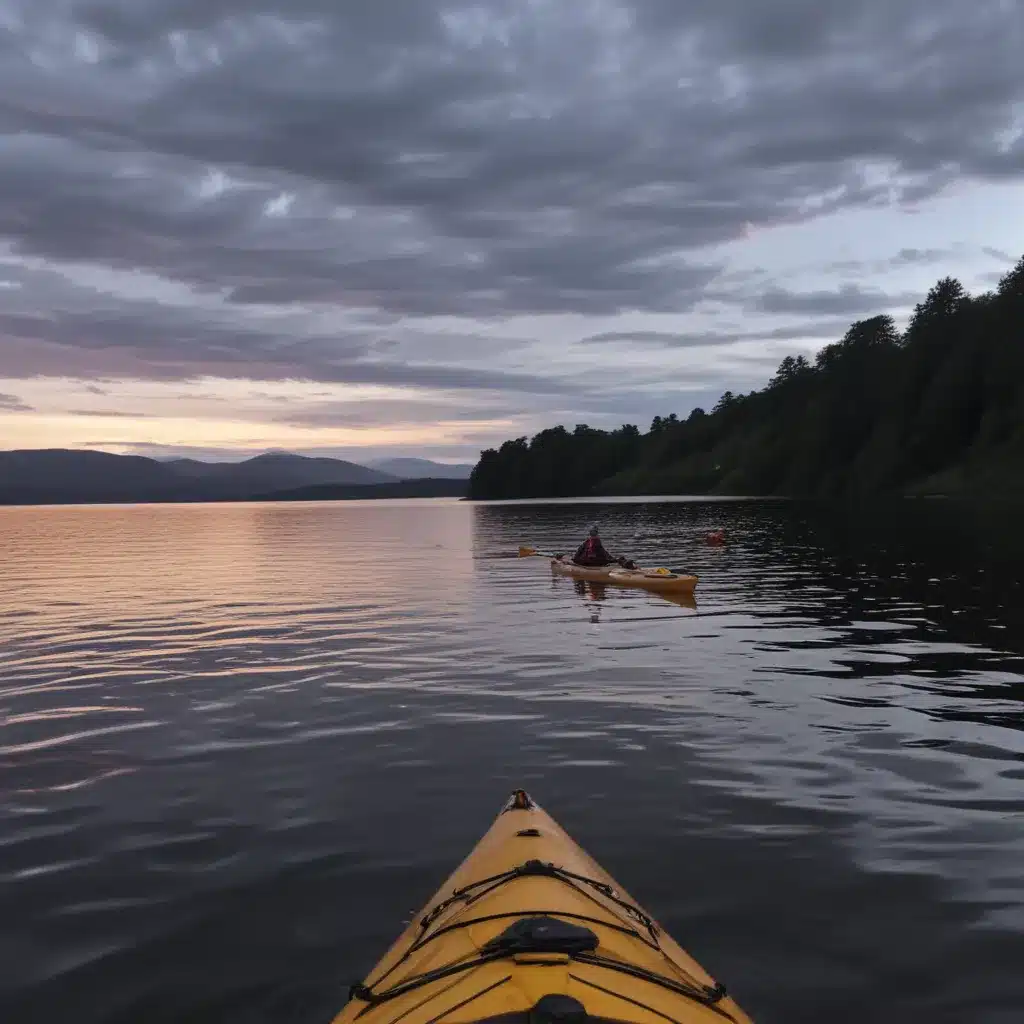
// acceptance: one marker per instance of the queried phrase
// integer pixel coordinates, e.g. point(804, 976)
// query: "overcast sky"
point(420, 227)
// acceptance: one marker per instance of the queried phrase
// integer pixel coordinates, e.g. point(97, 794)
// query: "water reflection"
point(593, 593)
point(851, 656)
point(255, 736)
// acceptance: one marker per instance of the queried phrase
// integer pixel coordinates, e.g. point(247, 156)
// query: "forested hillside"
point(936, 409)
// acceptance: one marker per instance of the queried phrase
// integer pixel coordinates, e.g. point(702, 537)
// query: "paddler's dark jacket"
point(592, 552)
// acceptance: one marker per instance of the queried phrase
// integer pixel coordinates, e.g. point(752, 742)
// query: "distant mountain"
point(417, 469)
point(192, 467)
point(421, 488)
point(277, 471)
point(61, 476)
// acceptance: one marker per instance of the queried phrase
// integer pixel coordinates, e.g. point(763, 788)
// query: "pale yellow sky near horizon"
point(243, 416)
point(122, 434)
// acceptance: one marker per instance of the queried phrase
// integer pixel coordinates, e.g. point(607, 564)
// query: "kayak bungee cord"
point(537, 868)
point(579, 946)
point(531, 868)
point(707, 996)
point(480, 953)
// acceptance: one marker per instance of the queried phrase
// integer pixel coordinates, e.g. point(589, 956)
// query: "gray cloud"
point(998, 254)
point(817, 329)
point(848, 299)
point(912, 257)
point(409, 159)
point(663, 338)
point(906, 257)
point(534, 183)
point(108, 413)
point(391, 412)
point(12, 403)
point(57, 328)
point(603, 405)
point(266, 396)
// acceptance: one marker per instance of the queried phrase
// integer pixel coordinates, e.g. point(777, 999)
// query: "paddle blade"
point(525, 551)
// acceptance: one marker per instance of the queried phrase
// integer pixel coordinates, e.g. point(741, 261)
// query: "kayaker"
point(593, 553)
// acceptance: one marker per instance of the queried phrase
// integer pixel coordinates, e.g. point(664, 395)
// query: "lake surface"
point(240, 744)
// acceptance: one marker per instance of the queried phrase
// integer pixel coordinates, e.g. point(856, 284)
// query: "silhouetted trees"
point(938, 408)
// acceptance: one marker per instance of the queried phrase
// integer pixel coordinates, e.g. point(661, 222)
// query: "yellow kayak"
point(650, 579)
point(530, 930)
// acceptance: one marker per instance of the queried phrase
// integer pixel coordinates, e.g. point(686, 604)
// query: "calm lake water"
point(239, 744)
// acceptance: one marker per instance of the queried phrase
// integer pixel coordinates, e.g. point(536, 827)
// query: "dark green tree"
point(875, 411)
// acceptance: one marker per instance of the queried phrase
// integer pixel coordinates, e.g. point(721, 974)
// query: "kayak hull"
point(530, 926)
point(648, 579)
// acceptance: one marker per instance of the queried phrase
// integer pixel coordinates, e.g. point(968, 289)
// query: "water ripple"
point(253, 725)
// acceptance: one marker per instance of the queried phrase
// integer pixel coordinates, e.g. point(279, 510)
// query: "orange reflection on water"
point(593, 592)
point(109, 615)
point(127, 562)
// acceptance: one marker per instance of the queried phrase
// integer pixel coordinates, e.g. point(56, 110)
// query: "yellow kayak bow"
point(530, 930)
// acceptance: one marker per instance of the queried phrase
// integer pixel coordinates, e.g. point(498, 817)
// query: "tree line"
point(938, 408)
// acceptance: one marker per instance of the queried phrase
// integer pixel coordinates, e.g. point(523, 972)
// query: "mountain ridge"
point(85, 476)
point(421, 469)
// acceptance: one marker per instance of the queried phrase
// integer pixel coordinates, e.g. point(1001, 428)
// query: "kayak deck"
point(531, 930)
point(650, 579)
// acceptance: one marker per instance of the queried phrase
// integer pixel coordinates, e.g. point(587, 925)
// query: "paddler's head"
point(593, 531)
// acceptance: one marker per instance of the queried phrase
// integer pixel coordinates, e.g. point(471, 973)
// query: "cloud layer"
point(449, 196)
